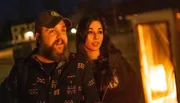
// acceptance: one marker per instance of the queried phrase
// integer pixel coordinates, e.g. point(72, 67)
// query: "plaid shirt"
point(67, 83)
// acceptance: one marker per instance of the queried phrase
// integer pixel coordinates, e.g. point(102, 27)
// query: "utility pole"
point(116, 26)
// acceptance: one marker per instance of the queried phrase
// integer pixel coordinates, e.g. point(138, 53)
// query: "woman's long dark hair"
point(106, 47)
point(82, 30)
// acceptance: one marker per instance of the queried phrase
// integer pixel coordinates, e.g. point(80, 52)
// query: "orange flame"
point(159, 87)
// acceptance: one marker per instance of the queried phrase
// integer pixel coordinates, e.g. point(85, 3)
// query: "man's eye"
point(90, 32)
point(51, 31)
point(63, 30)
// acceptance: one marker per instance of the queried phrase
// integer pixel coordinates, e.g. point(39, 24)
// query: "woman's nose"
point(96, 35)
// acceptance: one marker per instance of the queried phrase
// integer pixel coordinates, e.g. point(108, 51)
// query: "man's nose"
point(59, 35)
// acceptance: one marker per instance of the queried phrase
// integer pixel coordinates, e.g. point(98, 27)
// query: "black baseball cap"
point(50, 19)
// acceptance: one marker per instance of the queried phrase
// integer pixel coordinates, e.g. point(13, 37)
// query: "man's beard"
point(51, 53)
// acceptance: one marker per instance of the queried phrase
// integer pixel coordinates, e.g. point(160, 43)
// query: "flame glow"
point(158, 79)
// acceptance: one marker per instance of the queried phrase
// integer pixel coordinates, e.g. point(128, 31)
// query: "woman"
point(115, 79)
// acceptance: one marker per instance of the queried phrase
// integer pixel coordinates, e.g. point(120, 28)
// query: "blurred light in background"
point(29, 35)
point(73, 31)
point(178, 15)
point(120, 17)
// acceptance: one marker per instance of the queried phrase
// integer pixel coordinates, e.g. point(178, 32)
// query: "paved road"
point(6, 62)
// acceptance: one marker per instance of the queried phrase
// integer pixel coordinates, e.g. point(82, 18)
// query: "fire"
point(158, 78)
point(156, 68)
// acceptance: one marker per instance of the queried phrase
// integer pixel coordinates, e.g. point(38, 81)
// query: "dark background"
point(14, 12)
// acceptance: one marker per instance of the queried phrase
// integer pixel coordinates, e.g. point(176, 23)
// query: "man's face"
point(53, 42)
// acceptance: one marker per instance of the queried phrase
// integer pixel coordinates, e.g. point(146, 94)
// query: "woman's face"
point(94, 36)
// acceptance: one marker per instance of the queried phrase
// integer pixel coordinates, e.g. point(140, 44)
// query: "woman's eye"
point(100, 32)
point(90, 32)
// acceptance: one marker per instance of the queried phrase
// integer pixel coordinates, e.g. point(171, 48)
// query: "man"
point(51, 74)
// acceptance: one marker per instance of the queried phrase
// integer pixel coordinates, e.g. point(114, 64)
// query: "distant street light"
point(73, 31)
point(120, 17)
point(29, 35)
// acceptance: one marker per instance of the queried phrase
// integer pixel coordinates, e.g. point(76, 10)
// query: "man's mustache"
point(59, 42)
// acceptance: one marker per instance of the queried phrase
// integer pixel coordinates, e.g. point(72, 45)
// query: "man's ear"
point(37, 36)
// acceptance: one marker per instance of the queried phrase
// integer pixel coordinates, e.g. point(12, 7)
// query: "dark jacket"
point(28, 83)
point(129, 86)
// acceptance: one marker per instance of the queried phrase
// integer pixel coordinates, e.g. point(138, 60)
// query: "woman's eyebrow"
point(91, 28)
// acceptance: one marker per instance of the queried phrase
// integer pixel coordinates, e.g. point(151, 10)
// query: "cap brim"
point(55, 21)
point(67, 22)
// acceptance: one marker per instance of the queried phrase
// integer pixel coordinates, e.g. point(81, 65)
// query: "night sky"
point(14, 11)
point(18, 11)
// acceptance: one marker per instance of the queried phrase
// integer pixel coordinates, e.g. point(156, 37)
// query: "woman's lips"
point(95, 43)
